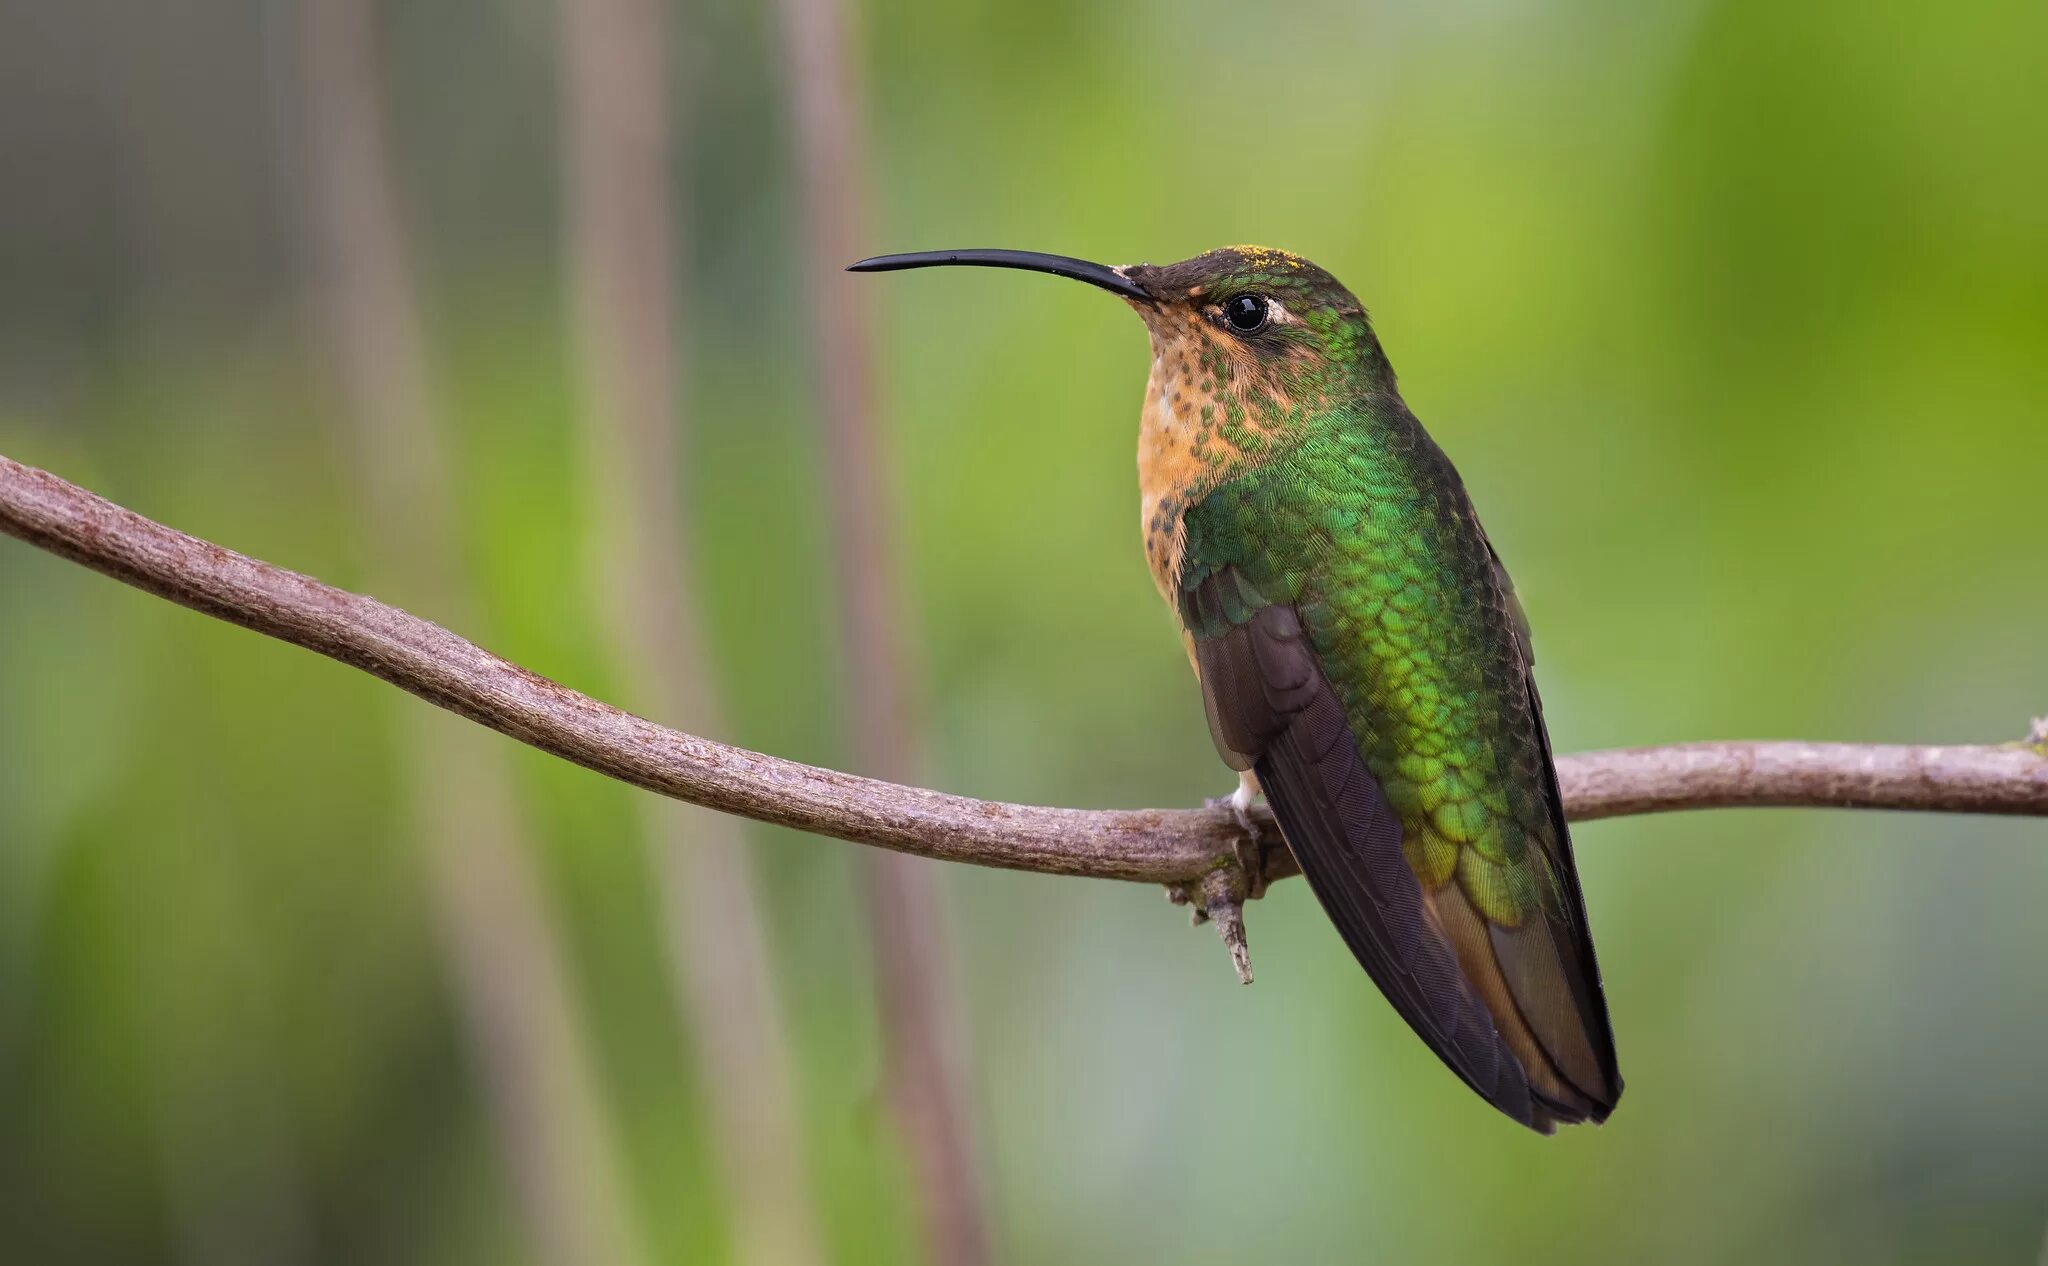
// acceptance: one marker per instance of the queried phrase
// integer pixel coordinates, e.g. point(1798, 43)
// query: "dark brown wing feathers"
point(1582, 1045)
point(1496, 1005)
point(1270, 702)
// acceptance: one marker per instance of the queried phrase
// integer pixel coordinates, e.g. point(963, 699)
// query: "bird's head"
point(1253, 322)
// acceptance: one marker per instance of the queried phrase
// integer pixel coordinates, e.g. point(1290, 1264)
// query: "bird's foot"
point(1249, 847)
point(1219, 896)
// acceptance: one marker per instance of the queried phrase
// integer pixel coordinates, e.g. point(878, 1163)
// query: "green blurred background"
point(1734, 315)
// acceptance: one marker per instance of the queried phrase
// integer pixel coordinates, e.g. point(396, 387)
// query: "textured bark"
point(1161, 846)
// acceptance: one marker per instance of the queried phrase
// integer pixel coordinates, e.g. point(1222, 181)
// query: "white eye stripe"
point(1278, 315)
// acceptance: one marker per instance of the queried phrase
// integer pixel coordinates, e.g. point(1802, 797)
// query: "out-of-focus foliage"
point(1735, 316)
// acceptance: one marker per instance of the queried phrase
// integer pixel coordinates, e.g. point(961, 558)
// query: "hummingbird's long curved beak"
point(1032, 261)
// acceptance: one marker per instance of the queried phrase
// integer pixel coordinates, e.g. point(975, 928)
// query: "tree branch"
point(1175, 847)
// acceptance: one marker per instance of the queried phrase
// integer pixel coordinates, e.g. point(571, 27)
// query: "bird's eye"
point(1247, 313)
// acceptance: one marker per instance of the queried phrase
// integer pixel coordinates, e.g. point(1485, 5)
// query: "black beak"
point(1058, 265)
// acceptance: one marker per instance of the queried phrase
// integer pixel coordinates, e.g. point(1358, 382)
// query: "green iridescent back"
point(1361, 522)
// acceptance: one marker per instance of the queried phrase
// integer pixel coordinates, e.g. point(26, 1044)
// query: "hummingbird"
point(1363, 660)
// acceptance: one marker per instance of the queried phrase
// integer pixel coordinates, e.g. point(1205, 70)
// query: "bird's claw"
point(1249, 847)
point(1219, 896)
point(1239, 803)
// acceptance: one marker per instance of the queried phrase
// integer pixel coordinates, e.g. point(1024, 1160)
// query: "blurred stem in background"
point(502, 946)
point(926, 1081)
point(617, 148)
